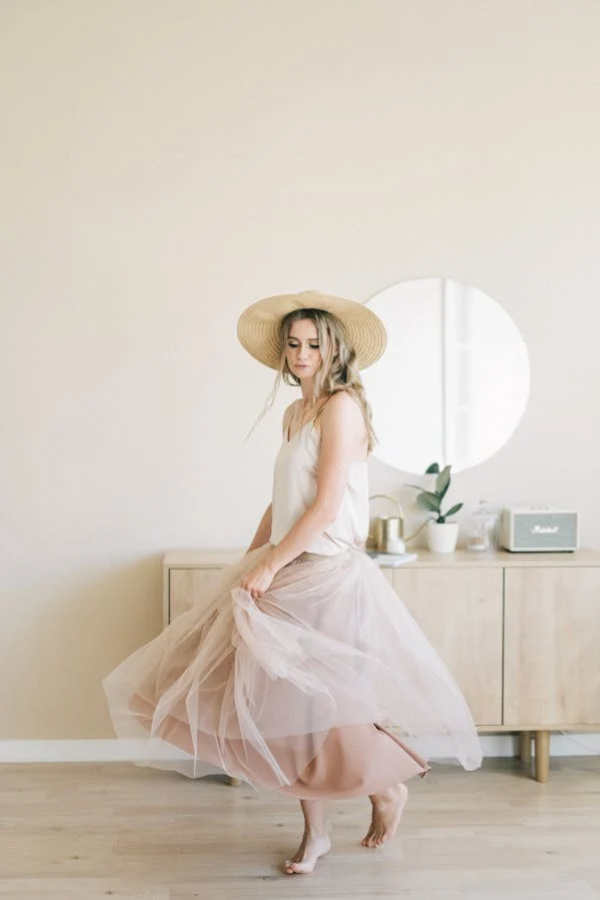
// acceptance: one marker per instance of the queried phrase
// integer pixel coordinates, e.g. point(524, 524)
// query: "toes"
point(371, 837)
point(300, 869)
point(374, 839)
point(297, 866)
point(367, 837)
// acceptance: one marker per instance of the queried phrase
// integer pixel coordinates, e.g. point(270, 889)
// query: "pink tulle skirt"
point(296, 692)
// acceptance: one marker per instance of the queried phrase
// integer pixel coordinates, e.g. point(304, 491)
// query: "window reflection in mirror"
point(454, 380)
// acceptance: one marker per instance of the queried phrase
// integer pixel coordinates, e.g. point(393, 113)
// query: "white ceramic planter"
point(442, 538)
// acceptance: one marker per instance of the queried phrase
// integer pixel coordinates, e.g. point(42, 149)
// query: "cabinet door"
point(552, 646)
point(189, 587)
point(460, 611)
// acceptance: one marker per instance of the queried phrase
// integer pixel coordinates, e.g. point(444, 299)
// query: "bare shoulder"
point(343, 412)
point(343, 429)
point(342, 403)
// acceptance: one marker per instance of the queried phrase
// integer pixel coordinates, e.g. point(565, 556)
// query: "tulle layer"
point(258, 689)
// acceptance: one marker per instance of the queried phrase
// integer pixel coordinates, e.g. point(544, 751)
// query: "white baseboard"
point(65, 751)
point(493, 745)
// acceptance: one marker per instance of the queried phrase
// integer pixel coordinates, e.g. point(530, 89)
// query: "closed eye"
point(295, 346)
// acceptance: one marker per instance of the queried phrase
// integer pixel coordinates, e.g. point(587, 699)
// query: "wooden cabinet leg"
point(234, 782)
point(542, 755)
point(525, 747)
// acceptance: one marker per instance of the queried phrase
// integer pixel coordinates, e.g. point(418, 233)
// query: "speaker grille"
point(548, 531)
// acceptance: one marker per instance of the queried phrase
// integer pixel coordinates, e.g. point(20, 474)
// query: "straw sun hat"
point(258, 326)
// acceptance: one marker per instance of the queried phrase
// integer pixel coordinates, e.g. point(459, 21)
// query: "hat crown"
point(311, 297)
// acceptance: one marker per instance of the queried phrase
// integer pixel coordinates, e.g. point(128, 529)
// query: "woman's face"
point(303, 353)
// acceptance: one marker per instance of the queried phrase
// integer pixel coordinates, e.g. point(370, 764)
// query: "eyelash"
point(295, 346)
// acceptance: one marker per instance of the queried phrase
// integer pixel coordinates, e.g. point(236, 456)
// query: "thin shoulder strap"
point(291, 419)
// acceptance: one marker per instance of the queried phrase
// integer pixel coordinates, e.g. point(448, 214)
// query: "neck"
point(307, 391)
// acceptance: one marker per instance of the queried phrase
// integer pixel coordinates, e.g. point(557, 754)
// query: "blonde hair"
point(338, 371)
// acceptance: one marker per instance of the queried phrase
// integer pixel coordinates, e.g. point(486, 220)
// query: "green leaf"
point(433, 469)
point(454, 510)
point(442, 482)
point(427, 500)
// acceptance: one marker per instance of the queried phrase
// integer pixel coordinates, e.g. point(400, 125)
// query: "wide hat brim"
point(258, 326)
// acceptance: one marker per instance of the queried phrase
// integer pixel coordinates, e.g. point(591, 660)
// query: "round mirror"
point(454, 380)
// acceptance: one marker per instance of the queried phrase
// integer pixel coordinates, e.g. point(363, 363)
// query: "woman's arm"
point(343, 439)
point(263, 532)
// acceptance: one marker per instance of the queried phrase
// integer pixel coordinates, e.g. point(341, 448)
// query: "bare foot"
point(309, 851)
point(387, 811)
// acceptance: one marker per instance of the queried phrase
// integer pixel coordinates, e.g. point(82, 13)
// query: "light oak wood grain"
point(460, 611)
point(552, 647)
point(92, 832)
point(519, 631)
point(493, 559)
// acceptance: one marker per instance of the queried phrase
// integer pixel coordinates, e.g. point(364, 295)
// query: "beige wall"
point(164, 164)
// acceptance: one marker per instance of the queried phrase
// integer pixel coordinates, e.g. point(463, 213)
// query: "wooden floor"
point(88, 832)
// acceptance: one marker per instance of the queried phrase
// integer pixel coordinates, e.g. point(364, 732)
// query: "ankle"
point(316, 834)
point(391, 793)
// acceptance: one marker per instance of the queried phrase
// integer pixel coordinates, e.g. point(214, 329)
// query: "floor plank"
point(114, 830)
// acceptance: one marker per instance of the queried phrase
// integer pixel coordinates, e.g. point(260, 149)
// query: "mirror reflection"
point(454, 380)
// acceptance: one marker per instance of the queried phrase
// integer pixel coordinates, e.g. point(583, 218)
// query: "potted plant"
point(441, 534)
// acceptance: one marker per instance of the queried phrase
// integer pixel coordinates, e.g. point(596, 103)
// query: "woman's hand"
point(257, 580)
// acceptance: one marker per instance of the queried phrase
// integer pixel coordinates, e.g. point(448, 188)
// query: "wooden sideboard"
point(519, 631)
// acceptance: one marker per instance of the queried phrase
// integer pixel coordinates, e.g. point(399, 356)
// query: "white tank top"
point(295, 489)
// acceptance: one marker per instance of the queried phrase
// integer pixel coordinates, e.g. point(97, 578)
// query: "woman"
point(284, 680)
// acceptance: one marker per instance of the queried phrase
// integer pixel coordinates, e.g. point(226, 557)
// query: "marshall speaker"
point(535, 529)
